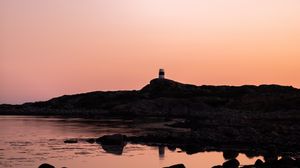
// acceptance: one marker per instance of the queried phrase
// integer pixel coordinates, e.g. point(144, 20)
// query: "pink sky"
point(50, 48)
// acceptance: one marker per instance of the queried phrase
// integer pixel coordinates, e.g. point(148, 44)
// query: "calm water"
point(27, 142)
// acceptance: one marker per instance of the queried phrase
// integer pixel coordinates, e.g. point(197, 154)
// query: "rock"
point(91, 140)
point(176, 166)
point(113, 144)
point(115, 139)
point(171, 148)
point(230, 155)
point(286, 161)
point(218, 166)
point(251, 153)
point(71, 141)
point(270, 157)
point(191, 149)
point(259, 163)
point(46, 165)
point(233, 163)
point(113, 149)
point(297, 162)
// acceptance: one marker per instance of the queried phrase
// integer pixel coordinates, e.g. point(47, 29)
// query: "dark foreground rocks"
point(91, 140)
point(258, 163)
point(176, 166)
point(192, 144)
point(233, 163)
point(71, 141)
point(284, 162)
point(113, 144)
point(230, 154)
point(46, 165)
point(115, 139)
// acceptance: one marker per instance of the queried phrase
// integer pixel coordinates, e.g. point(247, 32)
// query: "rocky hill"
point(258, 120)
point(163, 97)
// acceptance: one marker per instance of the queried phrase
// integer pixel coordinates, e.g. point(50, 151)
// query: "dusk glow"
point(49, 48)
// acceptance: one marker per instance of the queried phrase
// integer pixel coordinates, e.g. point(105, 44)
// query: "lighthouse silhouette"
point(161, 74)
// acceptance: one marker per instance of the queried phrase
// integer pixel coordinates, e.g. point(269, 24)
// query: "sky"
point(50, 48)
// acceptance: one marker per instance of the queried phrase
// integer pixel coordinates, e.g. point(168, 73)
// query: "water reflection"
point(27, 142)
point(117, 148)
point(232, 158)
point(113, 149)
point(161, 152)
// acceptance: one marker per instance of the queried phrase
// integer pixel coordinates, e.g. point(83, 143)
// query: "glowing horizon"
point(51, 48)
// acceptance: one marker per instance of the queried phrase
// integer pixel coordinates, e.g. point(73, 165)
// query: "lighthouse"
point(161, 74)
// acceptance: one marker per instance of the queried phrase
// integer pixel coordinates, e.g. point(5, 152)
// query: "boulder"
point(286, 161)
point(46, 165)
point(171, 148)
point(259, 163)
point(176, 166)
point(113, 149)
point(91, 140)
point(218, 166)
point(230, 155)
point(270, 157)
point(233, 163)
point(71, 141)
point(115, 139)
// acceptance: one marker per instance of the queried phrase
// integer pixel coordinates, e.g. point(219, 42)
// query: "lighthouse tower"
point(161, 74)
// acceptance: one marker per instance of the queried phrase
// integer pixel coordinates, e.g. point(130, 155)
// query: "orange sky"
point(52, 47)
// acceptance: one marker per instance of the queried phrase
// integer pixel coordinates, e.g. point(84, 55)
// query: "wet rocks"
point(113, 144)
point(176, 166)
point(259, 163)
point(218, 166)
point(230, 154)
point(71, 141)
point(46, 165)
point(284, 162)
point(233, 163)
point(115, 139)
point(91, 140)
point(113, 149)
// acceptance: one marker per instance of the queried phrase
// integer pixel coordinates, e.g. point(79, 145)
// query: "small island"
point(257, 120)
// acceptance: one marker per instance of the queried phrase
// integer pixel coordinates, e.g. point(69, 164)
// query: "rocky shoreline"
point(255, 120)
point(115, 144)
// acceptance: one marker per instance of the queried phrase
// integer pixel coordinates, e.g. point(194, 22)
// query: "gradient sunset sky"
point(50, 48)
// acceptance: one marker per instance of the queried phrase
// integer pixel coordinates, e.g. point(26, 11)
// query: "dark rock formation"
point(114, 149)
point(218, 166)
point(230, 154)
point(263, 118)
point(176, 166)
point(113, 144)
point(46, 165)
point(284, 162)
point(71, 141)
point(259, 163)
point(233, 163)
point(115, 139)
point(163, 97)
point(91, 140)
